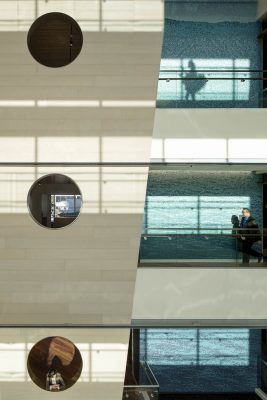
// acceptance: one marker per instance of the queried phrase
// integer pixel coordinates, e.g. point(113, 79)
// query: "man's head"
point(246, 212)
point(52, 372)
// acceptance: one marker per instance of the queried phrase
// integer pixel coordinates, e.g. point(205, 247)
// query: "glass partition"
point(204, 247)
point(205, 215)
point(200, 360)
point(205, 88)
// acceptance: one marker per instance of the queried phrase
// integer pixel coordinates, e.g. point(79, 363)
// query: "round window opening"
point(54, 364)
point(54, 201)
point(55, 40)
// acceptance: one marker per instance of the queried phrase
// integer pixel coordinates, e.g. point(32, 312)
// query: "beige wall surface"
point(83, 273)
point(99, 108)
point(103, 352)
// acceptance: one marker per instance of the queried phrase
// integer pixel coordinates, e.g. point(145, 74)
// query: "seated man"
point(54, 381)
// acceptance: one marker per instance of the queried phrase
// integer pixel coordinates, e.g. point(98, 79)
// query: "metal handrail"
point(214, 70)
point(203, 228)
point(204, 78)
point(235, 232)
point(195, 234)
point(140, 386)
point(199, 78)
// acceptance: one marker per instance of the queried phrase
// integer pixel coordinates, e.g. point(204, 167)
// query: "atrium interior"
point(133, 199)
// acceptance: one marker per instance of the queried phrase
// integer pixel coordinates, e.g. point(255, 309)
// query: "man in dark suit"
point(250, 234)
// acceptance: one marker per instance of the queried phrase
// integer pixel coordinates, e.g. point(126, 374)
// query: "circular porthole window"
point(54, 364)
point(55, 39)
point(54, 201)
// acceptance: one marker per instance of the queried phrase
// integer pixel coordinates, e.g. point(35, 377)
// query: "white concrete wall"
point(93, 15)
point(196, 294)
point(103, 351)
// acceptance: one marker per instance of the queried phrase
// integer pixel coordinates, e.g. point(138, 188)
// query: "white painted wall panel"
point(200, 294)
point(210, 135)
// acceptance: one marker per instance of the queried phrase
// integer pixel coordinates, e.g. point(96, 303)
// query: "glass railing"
point(205, 246)
point(186, 369)
point(261, 389)
point(147, 387)
point(207, 88)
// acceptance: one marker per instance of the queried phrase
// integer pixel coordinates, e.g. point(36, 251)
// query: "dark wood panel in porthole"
point(54, 354)
point(55, 39)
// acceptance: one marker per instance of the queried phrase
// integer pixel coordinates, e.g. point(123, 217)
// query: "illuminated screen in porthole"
point(54, 201)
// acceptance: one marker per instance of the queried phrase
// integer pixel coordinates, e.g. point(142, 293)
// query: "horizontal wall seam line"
point(124, 163)
point(155, 324)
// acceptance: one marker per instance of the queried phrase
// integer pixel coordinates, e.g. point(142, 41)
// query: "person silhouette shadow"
point(193, 82)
